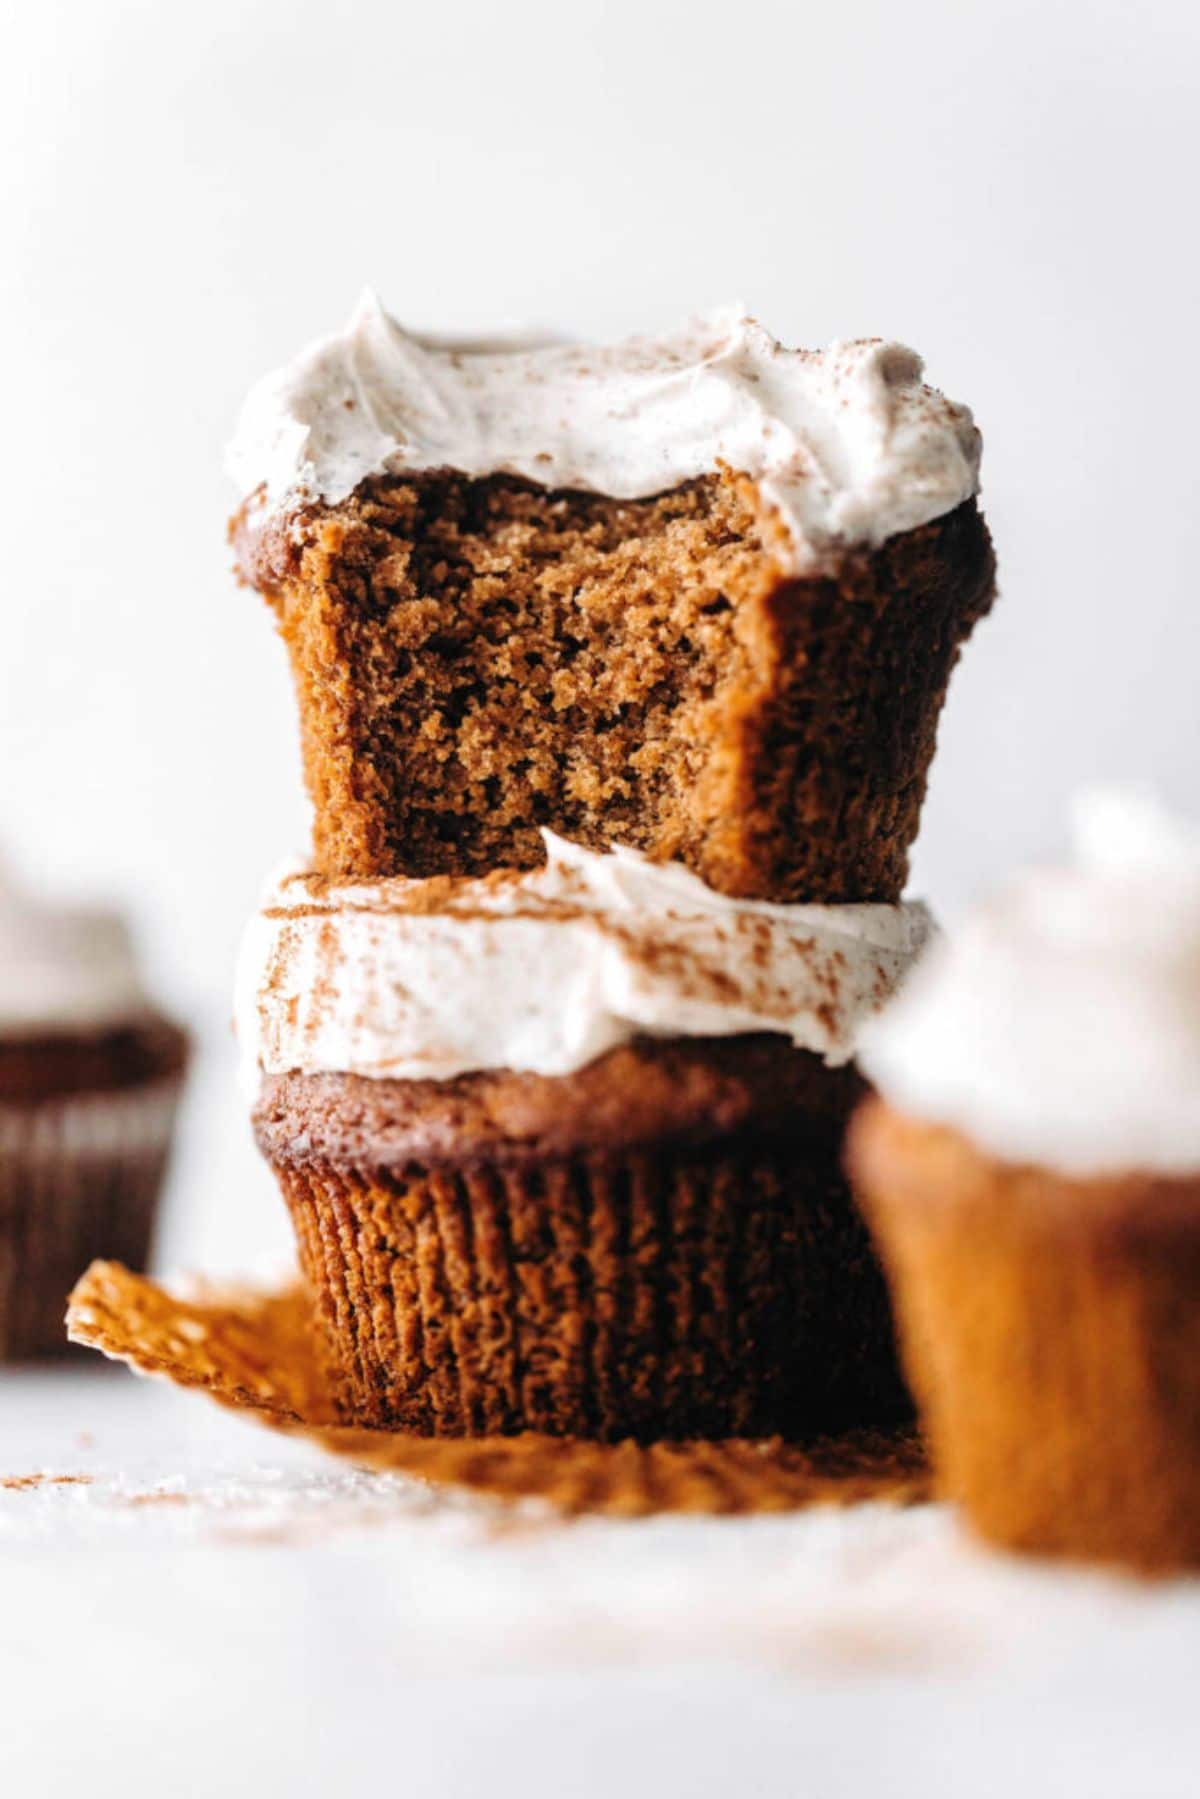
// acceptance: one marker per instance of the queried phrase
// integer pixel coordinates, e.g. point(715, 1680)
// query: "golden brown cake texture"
point(660, 1245)
point(1050, 1326)
point(476, 658)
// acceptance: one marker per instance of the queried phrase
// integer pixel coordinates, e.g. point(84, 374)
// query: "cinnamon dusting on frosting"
point(547, 969)
point(846, 445)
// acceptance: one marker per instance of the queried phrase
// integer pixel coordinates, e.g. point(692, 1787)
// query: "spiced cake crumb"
point(478, 658)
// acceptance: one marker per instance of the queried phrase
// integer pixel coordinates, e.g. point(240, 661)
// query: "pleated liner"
point(79, 1176)
point(644, 1295)
point(1052, 1329)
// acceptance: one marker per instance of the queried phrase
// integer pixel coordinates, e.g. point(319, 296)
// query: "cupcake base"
point(85, 1132)
point(77, 1176)
point(1051, 1330)
point(571, 1269)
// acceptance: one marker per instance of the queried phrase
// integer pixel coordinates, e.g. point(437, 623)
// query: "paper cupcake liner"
point(257, 1353)
point(1052, 1336)
point(640, 1295)
point(79, 1175)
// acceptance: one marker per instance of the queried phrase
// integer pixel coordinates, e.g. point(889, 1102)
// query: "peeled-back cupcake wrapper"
point(77, 1174)
point(256, 1352)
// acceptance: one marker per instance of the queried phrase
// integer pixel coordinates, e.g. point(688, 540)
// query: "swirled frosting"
point(63, 967)
point(1061, 1024)
point(545, 970)
point(846, 444)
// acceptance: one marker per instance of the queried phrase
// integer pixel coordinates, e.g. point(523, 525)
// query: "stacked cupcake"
point(619, 672)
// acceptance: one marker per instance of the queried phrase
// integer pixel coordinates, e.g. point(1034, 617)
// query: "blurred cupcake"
point(562, 1148)
point(1032, 1174)
point(90, 1075)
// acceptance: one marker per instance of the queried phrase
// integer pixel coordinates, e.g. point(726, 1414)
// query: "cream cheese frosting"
point(1061, 1024)
point(546, 970)
point(63, 967)
point(846, 444)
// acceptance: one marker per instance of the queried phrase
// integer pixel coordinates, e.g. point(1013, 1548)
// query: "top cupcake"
point(1061, 1024)
point(698, 596)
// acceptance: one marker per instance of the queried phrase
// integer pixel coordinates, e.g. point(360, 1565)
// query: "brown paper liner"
point(256, 1353)
point(1052, 1336)
point(79, 1172)
point(647, 1294)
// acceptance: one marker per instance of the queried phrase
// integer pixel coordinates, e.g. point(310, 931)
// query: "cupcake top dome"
point(1061, 1024)
point(63, 967)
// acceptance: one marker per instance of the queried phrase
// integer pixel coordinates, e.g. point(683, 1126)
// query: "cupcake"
point(1031, 1169)
point(562, 1146)
point(697, 595)
point(90, 1074)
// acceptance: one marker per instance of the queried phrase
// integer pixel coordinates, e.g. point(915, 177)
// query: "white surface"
point(223, 1611)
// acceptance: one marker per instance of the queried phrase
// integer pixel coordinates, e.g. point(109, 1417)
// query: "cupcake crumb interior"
point(477, 658)
point(522, 658)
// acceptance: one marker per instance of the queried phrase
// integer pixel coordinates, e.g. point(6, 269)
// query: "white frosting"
point(62, 968)
point(845, 443)
point(1061, 1025)
point(546, 970)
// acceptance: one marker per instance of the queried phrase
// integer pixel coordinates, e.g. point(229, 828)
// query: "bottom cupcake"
point(520, 1209)
point(659, 1244)
point(89, 1083)
point(1033, 1181)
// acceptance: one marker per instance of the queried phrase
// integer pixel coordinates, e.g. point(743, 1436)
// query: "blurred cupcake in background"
point(1031, 1169)
point(90, 1076)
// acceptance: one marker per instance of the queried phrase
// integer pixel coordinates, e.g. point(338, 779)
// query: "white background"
point(189, 194)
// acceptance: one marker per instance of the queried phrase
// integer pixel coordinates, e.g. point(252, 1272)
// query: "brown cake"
point(562, 1149)
point(89, 1082)
point(700, 596)
point(1033, 1181)
point(1051, 1332)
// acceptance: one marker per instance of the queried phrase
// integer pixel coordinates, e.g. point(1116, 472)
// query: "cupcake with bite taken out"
point(90, 1074)
point(698, 594)
point(1031, 1170)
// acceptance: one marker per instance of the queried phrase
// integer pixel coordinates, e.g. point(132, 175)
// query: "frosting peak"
point(546, 970)
point(1061, 1024)
point(846, 443)
point(63, 967)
